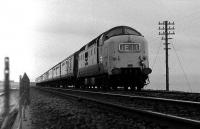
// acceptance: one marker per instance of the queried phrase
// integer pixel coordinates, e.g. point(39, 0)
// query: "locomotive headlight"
point(142, 60)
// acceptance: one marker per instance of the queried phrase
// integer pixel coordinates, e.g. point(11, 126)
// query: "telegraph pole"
point(165, 31)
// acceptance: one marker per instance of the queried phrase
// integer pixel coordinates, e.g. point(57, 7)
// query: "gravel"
point(52, 112)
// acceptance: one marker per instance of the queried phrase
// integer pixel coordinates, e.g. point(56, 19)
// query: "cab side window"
point(86, 58)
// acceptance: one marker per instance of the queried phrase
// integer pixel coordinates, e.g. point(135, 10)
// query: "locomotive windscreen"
point(131, 31)
point(121, 31)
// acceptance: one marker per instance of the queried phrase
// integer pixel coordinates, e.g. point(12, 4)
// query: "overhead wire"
point(184, 73)
point(157, 53)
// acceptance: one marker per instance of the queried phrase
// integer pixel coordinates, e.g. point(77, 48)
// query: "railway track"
point(168, 94)
point(156, 93)
point(173, 113)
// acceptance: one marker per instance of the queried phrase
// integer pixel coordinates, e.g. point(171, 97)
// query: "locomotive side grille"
point(130, 65)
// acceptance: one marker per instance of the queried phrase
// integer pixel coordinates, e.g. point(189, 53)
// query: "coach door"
point(111, 56)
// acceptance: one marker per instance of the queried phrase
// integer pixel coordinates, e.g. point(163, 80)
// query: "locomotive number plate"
point(129, 47)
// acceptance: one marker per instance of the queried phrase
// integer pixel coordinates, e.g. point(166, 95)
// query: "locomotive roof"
point(123, 27)
point(106, 32)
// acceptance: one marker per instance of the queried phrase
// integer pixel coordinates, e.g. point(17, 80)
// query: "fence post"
point(24, 100)
point(20, 102)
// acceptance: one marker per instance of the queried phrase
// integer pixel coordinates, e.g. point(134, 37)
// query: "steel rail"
point(136, 97)
point(171, 120)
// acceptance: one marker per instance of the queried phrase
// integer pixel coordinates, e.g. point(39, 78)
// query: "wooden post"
point(166, 32)
point(20, 102)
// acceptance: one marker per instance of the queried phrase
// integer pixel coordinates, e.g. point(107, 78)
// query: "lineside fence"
point(12, 118)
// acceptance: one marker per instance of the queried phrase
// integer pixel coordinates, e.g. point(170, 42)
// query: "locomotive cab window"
point(130, 31)
point(114, 32)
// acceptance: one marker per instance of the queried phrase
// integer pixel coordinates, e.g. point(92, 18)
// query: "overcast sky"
point(37, 34)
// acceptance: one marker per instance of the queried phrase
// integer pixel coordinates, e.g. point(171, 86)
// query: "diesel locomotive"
point(116, 58)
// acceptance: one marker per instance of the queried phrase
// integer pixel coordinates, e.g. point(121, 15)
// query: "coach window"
point(67, 65)
point(70, 63)
point(63, 64)
point(86, 56)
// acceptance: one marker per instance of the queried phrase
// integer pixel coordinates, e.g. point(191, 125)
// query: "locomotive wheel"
point(132, 88)
point(98, 87)
point(125, 88)
point(77, 86)
point(139, 88)
point(114, 87)
point(105, 87)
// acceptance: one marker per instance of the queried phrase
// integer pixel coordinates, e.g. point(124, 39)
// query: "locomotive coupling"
point(116, 71)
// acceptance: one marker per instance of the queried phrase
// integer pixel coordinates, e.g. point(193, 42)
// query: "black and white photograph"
point(99, 64)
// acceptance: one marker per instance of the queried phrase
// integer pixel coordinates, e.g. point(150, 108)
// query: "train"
point(116, 58)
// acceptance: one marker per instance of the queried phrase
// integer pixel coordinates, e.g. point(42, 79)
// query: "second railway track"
point(184, 113)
